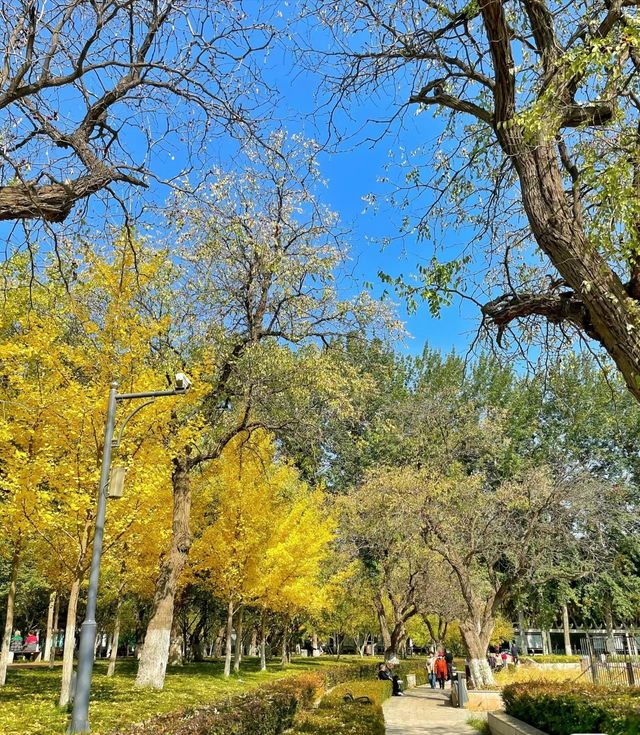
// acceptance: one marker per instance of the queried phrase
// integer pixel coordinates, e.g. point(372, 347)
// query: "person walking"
point(440, 668)
point(514, 652)
point(430, 666)
point(448, 657)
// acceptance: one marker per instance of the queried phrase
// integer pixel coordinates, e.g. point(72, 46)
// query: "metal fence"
point(610, 669)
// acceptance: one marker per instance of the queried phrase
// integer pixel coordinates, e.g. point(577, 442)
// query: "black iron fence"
point(610, 669)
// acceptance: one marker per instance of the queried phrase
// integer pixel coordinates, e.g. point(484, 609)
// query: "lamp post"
point(80, 716)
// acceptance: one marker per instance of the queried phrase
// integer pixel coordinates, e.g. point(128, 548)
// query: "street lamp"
point(80, 716)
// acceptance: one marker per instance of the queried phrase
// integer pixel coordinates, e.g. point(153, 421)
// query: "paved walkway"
point(425, 711)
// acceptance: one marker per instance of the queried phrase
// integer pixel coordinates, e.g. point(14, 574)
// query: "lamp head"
point(182, 383)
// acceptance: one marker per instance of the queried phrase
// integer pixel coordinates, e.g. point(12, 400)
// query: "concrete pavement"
point(425, 711)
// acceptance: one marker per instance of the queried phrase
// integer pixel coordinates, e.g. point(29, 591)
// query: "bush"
point(554, 658)
point(569, 708)
point(267, 710)
point(348, 718)
point(378, 691)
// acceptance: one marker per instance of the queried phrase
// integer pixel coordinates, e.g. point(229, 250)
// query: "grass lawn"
point(28, 702)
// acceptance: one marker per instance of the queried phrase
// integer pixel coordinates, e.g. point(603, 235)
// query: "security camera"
point(182, 382)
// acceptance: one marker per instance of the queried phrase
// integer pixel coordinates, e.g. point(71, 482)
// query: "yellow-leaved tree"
point(268, 537)
point(61, 345)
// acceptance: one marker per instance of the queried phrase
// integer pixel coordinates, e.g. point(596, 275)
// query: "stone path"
point(425, 711)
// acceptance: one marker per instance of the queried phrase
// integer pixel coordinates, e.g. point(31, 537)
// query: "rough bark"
point(253, 646)
point(217, 646)
point(522, 637)
point(228, 642)
point(115, 640)
point(176, 657)
point(155, 653)
point(613, 316)
point(476, 635)
point(69, 643)
point(8, 624)
point(238, 649)
point(565, 629)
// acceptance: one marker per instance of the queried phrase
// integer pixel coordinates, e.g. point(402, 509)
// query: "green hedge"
point(267, 710)
point(562, 709)
point(554, 658)
point(334, 715)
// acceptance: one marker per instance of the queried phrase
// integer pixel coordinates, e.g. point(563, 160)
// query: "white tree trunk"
point(51, 653)
point(565, 629)
point(155, 651)
point(524, 648)
point(263, 642)
point(8, 624)
point(46, 654)
point(227, 656)
point(114, 641)
point(69, 643)
point(253, 646)
point(238, 649)
point(481, 673)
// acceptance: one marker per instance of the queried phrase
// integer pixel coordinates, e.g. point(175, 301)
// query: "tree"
point(539, 144)
point(60, 350)
point(90, 97)
point(260, 310)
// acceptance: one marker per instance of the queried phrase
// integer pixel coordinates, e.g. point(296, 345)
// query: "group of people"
point(440, 668)
point(508, 654)
point(29, 646)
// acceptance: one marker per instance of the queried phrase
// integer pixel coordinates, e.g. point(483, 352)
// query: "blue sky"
point(353, 172)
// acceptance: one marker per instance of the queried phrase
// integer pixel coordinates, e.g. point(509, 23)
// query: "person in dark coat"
point(448, 657)
point(385, 674)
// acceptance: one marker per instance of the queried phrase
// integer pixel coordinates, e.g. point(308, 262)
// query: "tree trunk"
point(238, 650)
point(155, 652)
point(51, 653)
point(114, 640)
point(565, 629)
point(389, 651)
point(545, 643)
point(227, 651)
point(46, 654)
point(263, 641)
point(8, 624)
point(176, 655)
point(524, 648)
point(253, 646)
point(314, 641)
point(608, 621)
point(284, 658)
point(476, 635)
point(611, 315)
point(69, 643)
point(217, 646)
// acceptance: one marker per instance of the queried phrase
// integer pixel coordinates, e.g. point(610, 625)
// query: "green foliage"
point(377, 691)
point(569, 708)
point(28, 701)
point(350, 718)
point(556, 659)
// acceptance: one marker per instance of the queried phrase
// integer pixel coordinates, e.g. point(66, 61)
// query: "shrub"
point(348, 718)
point(568, 708)
point(554, 658)
point(267, 710)
point(377, 691)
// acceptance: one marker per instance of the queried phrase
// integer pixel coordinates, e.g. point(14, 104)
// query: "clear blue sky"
point(353, 172)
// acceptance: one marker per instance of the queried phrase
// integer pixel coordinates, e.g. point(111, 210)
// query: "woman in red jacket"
point(440, 669)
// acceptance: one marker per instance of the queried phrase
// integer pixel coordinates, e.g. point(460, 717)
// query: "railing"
point(610, 669)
